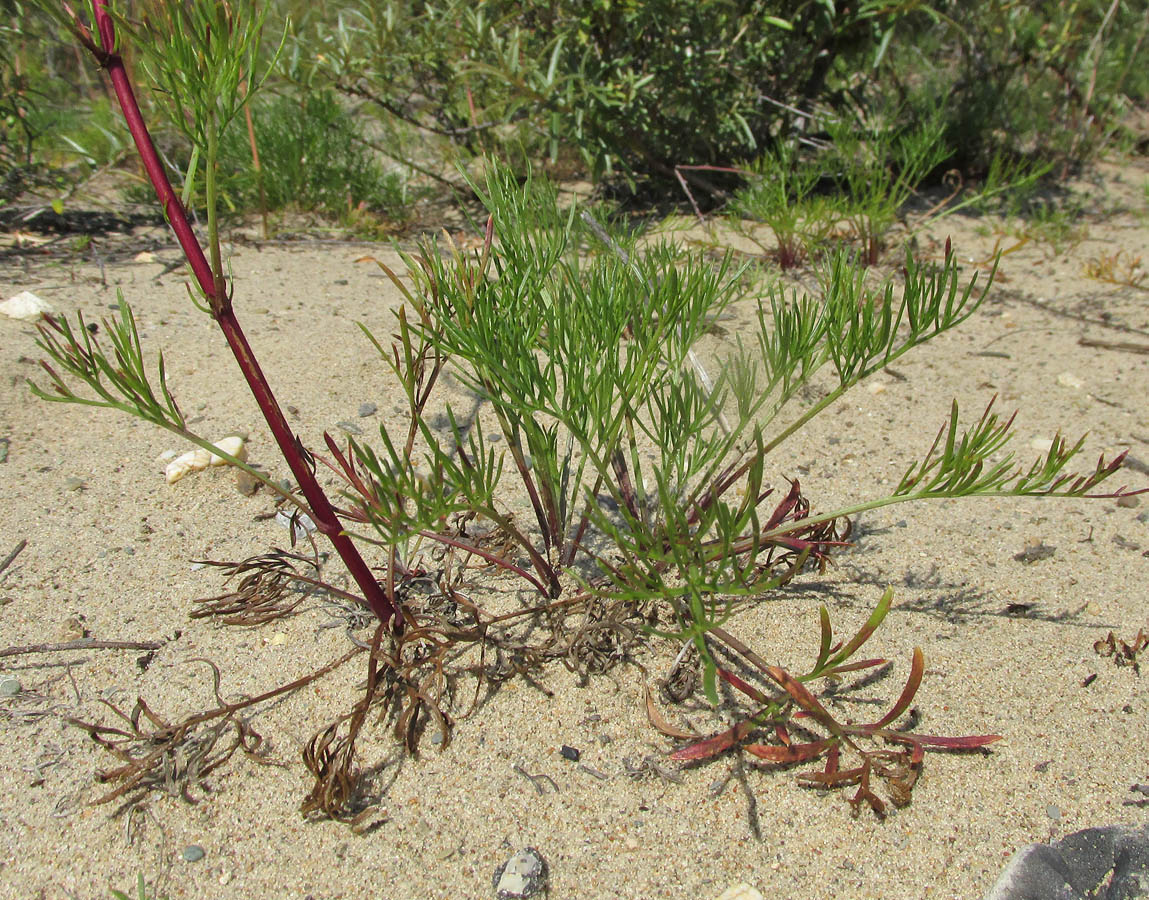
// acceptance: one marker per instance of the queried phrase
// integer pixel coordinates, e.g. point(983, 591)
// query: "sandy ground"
point(109, 555)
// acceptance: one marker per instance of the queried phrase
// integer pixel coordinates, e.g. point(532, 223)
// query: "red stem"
point(214, 287)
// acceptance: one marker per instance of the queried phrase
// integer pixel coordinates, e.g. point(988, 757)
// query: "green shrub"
point(637, 87)
point(1050, 80)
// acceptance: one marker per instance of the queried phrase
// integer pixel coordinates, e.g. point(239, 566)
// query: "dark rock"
point(1034, 552)
point(1110, 863)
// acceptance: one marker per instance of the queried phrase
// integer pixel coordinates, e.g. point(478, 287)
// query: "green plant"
point(629, 488)
point(878, 168)
point(781, 193)
point(312, 158)
point(1112, 269)
point(1053, 222)
point(141, 891)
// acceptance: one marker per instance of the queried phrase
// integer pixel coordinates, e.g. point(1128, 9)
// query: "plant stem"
point(212, 284)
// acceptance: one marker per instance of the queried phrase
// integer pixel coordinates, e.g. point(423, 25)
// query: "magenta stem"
point(214, 287)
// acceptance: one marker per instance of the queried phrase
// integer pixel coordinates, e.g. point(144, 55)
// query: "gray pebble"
point(74, 484)
point(10, 687)
point(193, 853)
point(349, 427)
point(523, 875)
point(367, 409)
point(1053, 812)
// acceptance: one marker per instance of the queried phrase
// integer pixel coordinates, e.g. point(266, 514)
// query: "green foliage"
point(312, 158)
point(638, 88)
point(1051, 80)
point(781, 194)
point(141, 891)
point(878, 169)
point(39, 85)
point(640, 463)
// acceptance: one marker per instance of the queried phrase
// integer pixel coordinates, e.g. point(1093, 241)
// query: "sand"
point(1009, 645)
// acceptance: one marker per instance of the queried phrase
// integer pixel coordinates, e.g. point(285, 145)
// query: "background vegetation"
point(374, 103)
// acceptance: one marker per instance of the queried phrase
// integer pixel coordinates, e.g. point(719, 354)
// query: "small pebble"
point(3, 450)
point(349, 427)
point(1053, 812)
point(10, 687)
point(571, 753)
point(741, 891)
point(523, 875)
point(74, 484)
point(1130, 501)
point(367, 409)
point(193, 853)
point(1069, 380)
point(246, 483)
point(26, 306)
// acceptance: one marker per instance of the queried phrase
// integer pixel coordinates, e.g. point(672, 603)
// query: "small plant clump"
point(627, 494)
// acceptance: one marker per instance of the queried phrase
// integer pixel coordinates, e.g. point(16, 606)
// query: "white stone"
point(524, 875)
point(145, 256)
point(741, 891)
point(195, 460)
point(26, 306)
point(1069, 380)
point(232, 446)
point(1042, 444)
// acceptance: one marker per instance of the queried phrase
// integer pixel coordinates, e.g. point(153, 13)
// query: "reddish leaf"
point(712, 746)
point(804, 698)
point(917, 668)
point(748, 689)
point(783, 509)
point(792, 753)
point(659, 722)
point(969, 742)
point(855, 666)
